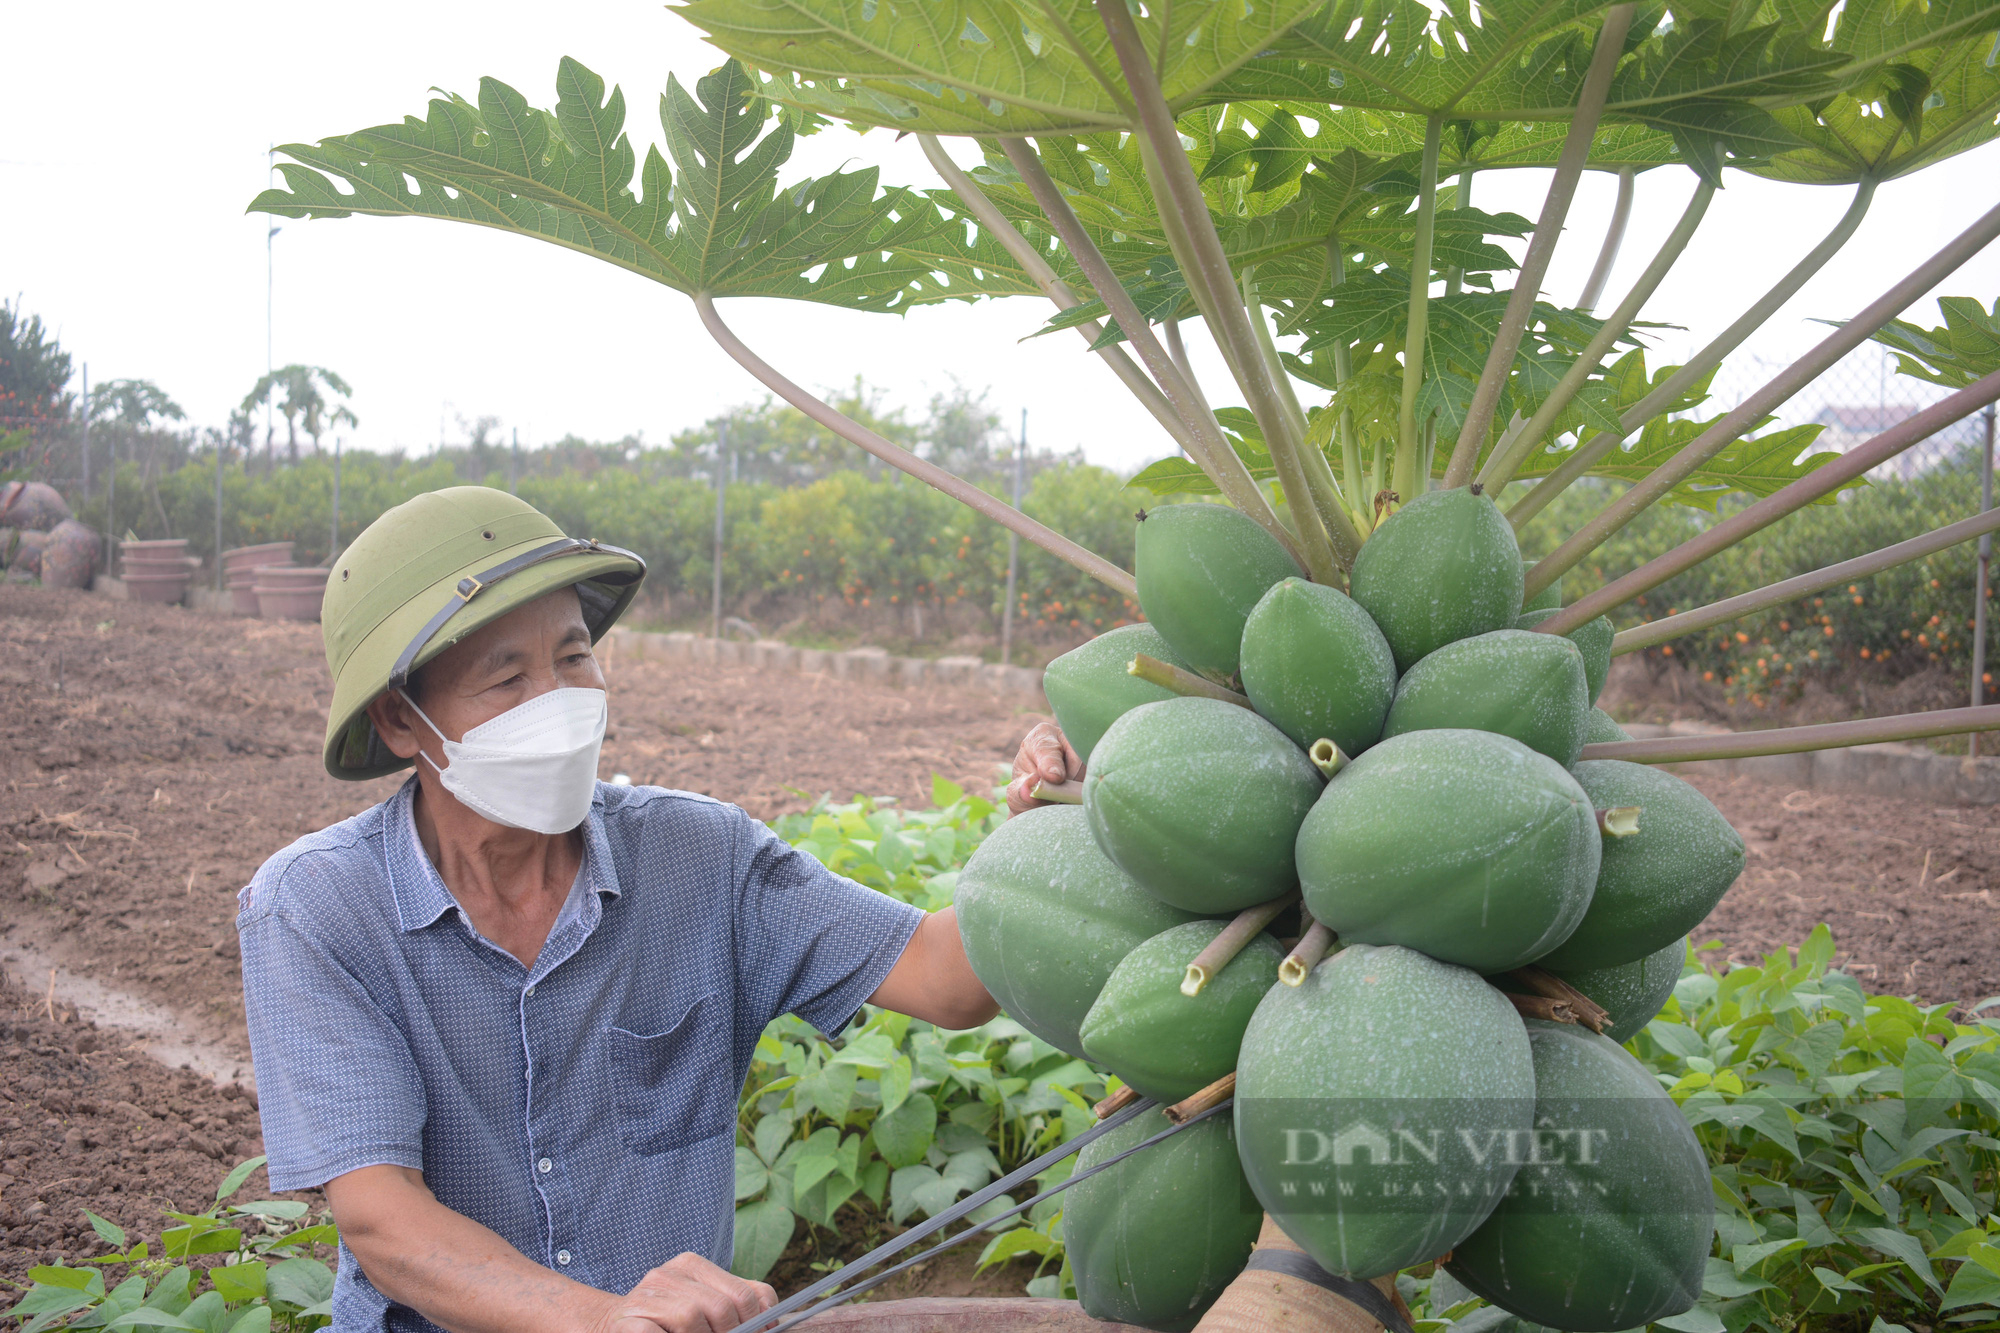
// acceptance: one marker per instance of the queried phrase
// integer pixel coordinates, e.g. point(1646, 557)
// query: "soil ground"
point(152, 759)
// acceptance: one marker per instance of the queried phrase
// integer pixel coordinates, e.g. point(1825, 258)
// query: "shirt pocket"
point(674, 1087)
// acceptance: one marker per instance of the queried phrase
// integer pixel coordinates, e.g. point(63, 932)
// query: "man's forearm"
point(458, 1274)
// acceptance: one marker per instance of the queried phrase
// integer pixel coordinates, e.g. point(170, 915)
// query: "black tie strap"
point(472, 585)
point(1364, 1294)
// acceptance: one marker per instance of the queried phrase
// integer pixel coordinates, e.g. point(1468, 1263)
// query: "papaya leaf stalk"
point(1207, 1099)
point(1059, 793)
point(1799, 740)
point(1058, 291)
point(1614, 239)
point(1804, 585)
point(1321, 488)
point(1306, 954)
point(1409, 473)
point(1509, 457)
point(1760, 405)
point(1057, 545)
point(1751, 519)
point(1586, 455)
point(1546, 1008)
point(1541, 981)
point(1327, 757)
point(1206, 265)
point(1215, 956)
point(1208, 448)
point(1535, 263)
point(1620, 821)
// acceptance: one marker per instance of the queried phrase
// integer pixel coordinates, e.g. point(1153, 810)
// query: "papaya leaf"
point(1930, 105)
point(1965, 348)
point(983, 67)
point(714, 220)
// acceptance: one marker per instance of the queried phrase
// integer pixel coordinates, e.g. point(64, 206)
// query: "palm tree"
point(300, 394)
point(133, 403)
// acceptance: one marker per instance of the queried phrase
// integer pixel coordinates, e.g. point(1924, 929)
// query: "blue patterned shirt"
point(583, 1108)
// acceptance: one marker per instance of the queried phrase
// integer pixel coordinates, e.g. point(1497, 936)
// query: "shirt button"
point(531, 990)
point(562, 1257)
point(545, 1166)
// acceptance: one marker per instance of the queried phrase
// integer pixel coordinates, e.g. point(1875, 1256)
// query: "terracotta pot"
point(289, 593)
point(243, 600)
point(33, 505)
point(136, 564)
point(159, 549)
point(27, 553)
point(70, 558)
point(163, 589)
point(246, 557)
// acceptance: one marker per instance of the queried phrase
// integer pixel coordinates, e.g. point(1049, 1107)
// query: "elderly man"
point(503, 1016)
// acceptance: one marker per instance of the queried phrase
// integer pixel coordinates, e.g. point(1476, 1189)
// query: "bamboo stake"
point(1585, 456)
point(1762, 403)
point(1792, 589)
point(1182, 681)
point(1540, 981)
point(1306, 954)
point(1207, 446)
point(1059, 793)
point(1059, 292)
point(1755, 518)
point(1799, 740)
point(1535, 263)
point(1215, 1094)
point(1057, 545)
point(1235, 936)
point(1614, 238)
point(1511, 454)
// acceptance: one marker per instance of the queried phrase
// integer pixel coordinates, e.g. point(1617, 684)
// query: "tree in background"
point(33, 369)
point(133, 403)
point(301, 396)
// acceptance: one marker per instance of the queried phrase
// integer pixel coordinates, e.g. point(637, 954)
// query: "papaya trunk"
point(1409, 478)
point(1261, 1300)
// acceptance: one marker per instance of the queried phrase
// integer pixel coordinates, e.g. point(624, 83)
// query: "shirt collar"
point(420, 892)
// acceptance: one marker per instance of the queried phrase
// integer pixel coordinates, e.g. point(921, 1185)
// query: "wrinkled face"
point(528, 652)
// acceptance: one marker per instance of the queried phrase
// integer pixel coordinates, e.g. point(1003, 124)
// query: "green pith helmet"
point(431, 571)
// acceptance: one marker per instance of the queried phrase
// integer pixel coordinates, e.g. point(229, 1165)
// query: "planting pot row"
point(240, 569)
point(157, 571)
point(289, 592)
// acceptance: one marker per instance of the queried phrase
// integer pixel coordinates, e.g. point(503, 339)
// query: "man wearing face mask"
point(502, 1017)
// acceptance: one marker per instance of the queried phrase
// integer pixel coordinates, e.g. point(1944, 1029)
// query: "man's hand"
point(687, 1294)
point(1044, 756)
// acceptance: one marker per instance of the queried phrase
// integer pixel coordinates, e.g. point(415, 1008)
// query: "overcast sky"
point(132, 135)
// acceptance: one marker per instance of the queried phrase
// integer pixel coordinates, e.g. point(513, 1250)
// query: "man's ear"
point(397, 724)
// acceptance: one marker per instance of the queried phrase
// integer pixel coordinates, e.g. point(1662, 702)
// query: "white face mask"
point(532, 767)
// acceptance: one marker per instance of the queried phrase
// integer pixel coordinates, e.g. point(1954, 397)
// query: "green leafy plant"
point(263, 1270)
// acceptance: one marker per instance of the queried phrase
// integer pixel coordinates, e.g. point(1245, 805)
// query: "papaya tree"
point(1354, 715)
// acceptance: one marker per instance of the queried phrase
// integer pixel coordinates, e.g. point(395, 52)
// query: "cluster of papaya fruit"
point(1392, 775)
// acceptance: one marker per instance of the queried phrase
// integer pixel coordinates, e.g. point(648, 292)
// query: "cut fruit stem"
point(1306, 954)
point(1327, 757)
point(1620, 821)
point(1548, 986)
point(1247, 926)
point(1062, 793)
point(1215, 1094)
point(1182, 681)
point(1116, 1102)
point(1542, 1006)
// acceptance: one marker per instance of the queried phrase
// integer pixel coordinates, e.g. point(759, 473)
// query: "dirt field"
point(152, 758)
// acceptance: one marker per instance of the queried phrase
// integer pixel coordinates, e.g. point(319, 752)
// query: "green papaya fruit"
point(1657, 884)
point(1375, 1104)
point(1599, 727)
point(1166, 1044)
point(1528, 686)
point(1154, 1240)
point(1089, 688)
point(1466, 845)
point(1633, 993)
point(1609, 1222)
point(1548, 599)
point(1444, 567)
point(1199, 801)
point(1592, 638)
point(1201, 567)
point(1315, 665)
point(1045, 916)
